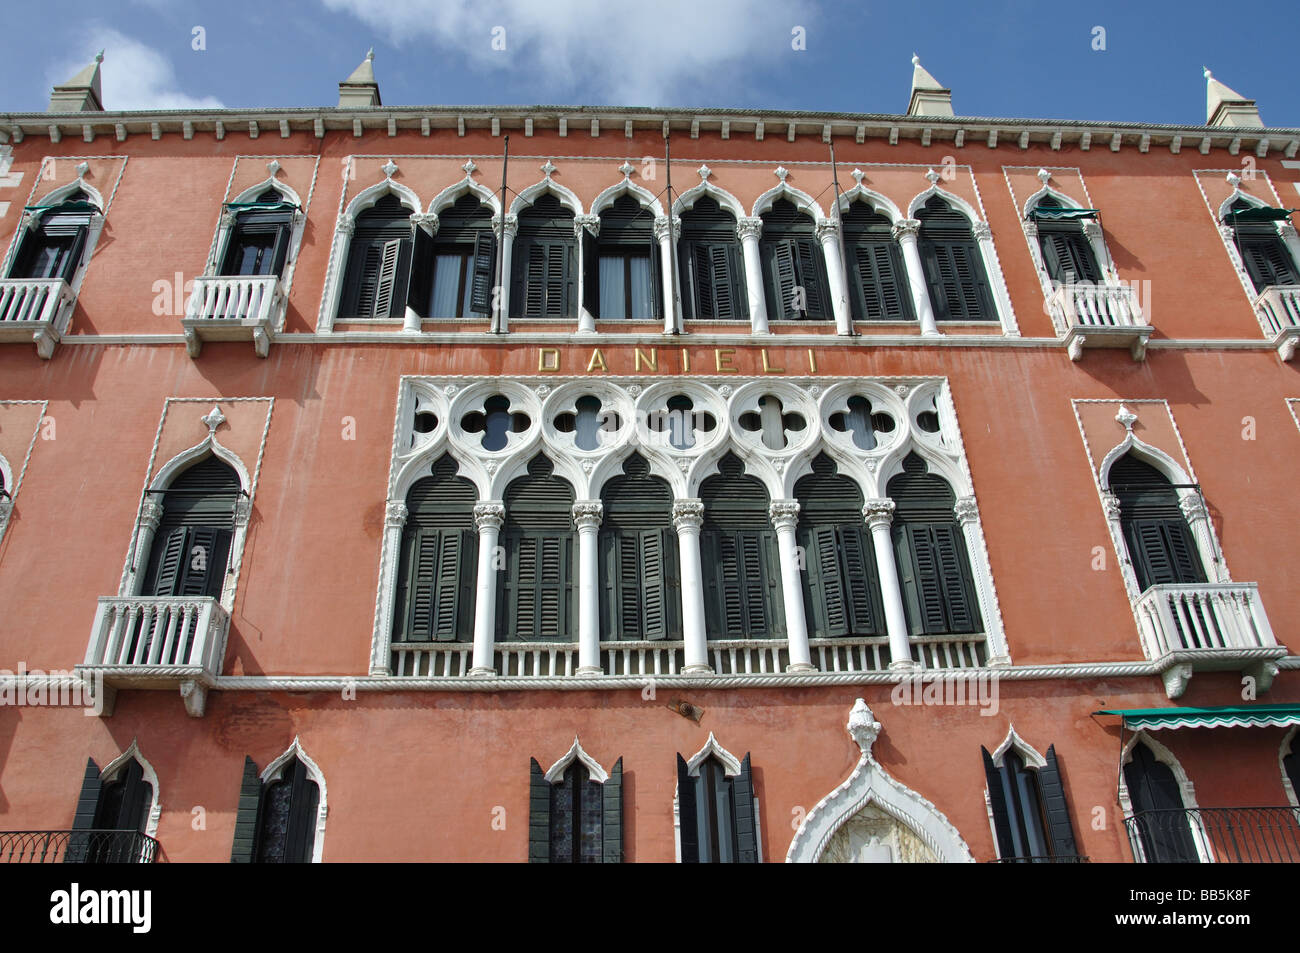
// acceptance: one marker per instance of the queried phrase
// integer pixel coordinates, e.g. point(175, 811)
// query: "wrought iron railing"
point(1044, 859)
point(1224, 835)
point(77, 847)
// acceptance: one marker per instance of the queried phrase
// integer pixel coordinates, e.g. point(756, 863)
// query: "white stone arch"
point(31, 221)
point(846, 465)
point(871, 785)
point(876, 200)
point(6, 478)
point(516, 467)
point(1147, 454)
point(1013, 742)
point(891, 465)
point(276, 768)
point(1238, 195)
point(1032, 202)
point(804, 202)
point(147, 772)
point(417, 467)
point(208, 447)
point(793, 398)
point(712, 749)
point(466, 186)
point(555, 772)
point(1292, 795)
point(59, 195)
point(955, 201)
point(367, 197)
point(285, 190)
point(613, 399)
point(686, 201)
point(756, 465)
point(298, 223)
point(611, 466)
point(529, 195)
point(609, 196)
point(1186, 790)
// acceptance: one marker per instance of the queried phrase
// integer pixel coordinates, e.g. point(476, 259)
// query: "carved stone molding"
point(587, 514)
point(749, 226)
point(425, 220)
point(590, 223)
point(395, 514)
point(243, 511)
point(347, 225)
point(688, 513)
point(661, 227)
point(1193, 508)
point(489, 515)
point(879, 512)
point(906, 229)
point(828, 227)
point(512, 226)
point(1111, 503)
point(983, 231)
point(151, 513)
point(784, 513)
point(1092, 231)
point(966, 509)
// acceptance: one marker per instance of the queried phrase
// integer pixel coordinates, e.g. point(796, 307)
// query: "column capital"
point(879, 512)
point(347, 224)
point(661, 227)
point(827, 229)
point(395, 514)
point(151, 515)
point(1286, 230)
point(966, 509)
point(749, 226)
point(1031, 229)
point(512, 226)
point(1092, 231)
point(489, 515)
point(784, 513)
point(590, 223)
point(1193, 508)
point(1110, 502)
point(425, 220)
point(906, 229)
point(688, 514)
point(6, 507)
point(243, 510)
point(983, 231)
point(587, 514)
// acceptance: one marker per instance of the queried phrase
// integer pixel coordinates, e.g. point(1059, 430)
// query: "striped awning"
point(1052, 212)
point(1253, 716)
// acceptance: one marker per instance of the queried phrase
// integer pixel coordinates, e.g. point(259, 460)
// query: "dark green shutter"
point(304, 801)
point(954, 269)
point(484, 274)
point(73, 260)
point(203, 566)
point(742, 792)
point(590, 273)
point(657, 547)
point(83, 819)
point(882, 290)
point(998, 804)
point(811, 278)
point(866, 612)
point(1068, 255)
point(420, 281)
point(1266, 258)
point(244, 848)
point(784, 279)
point(539, 816)
point(1163, 552)
point(612, 816)
point(955, 577)
point(168, 573)
point(828, 614)
point(687, 820)
point(723, 280)
point(1060, 832)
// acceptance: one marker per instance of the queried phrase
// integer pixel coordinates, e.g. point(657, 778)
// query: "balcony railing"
point(1098, 315)
point(1044, 859)
point(37, 310)
point(732, 657)
point(1209, 627)
point(77, 847)
point(1278, 310)
point(233, 308)
point(159, 642)
point(1224, 835)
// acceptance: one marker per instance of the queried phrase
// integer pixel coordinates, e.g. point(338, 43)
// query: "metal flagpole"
point(839, 221)
point(499, 298)
point(670, 307)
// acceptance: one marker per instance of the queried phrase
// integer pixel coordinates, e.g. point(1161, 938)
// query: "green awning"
point(1051, 212)
point(64, 207)
point(1247, 215)
point(262, 206)
point(1253, 716)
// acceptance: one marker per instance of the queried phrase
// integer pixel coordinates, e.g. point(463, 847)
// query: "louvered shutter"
point(958, 286)
point(304, 802)
point(827, 611)
point(73, 260)
point(722, 281)
point(137, 795)
point(862, 590)
point(521, 583)
point(419, 284)
point(386, 279)
point(698, 280)
point(754, 584)
point(629, 584)
point(954, 572)
point(811, 277)
point(484, 274)
point(451, 573)
point(247, 814)
point(167, 575)
point(654, 597)
point(203, 569)
point(560, 280)
point(1267, 260)
point(918, 566)
point(1163, 552)
point(881, 288)
point(687, 814)
point(746, 825)
point(83, 820)
point(1060, 832)
point(590, 274)
point(1068, 253)
point(611, 795)
point(714, 588)
point(998, 804)
point(539, 815)
point(785, 278)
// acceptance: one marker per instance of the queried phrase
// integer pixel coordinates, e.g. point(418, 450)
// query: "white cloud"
point(639, 54)
point(133, 75)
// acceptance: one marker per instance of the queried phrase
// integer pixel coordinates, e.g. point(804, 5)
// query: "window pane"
point(611, 287)
point(642, 292)
point(446, 287)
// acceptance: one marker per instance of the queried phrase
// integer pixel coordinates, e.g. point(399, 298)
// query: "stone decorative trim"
point(272, 773)
point(556, 771)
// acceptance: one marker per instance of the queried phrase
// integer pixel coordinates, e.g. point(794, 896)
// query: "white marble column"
point(395, 514)
point(1198, 520)
point(785, 517)
point(489, 517)
point(151, 512)
point(505, 245)
point(748, 228)
point(428, 221)
point(338, 266)
point(587, 515)
point(582, 224)
point(667, 257)
point(968, 516)
point(879, 515)
point(906, 233)
point(688, 517)
point(828, 233)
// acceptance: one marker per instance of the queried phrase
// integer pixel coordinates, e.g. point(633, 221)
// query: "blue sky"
point(1006, 58)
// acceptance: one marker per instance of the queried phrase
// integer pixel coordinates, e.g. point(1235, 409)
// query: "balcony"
point(77, 847)
point(237, 308)
point(1098, 315)
point(158, 642)
point(1278, 310)
point(1208, 628)
point(37, 310)
point(1216, 835)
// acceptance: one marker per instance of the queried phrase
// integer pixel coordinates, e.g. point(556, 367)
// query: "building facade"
point(381, 497)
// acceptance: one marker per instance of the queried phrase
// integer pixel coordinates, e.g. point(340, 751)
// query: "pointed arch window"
point(545, 261)
point(742, 575)
point(464, 261)
point(259, 240)
point(380, 257)
point(54, 246)
point(1067, 253)
point(112, 810)
point(840, 579)
point(191, 549)
point(278, 816)
point(1160, 543)
point(716, 812)
point(640, 597)
point(1268, 261)
point(1159, 825)
point(575, 818)
point(794, 271)
point(712, 269)
point(939, 596)
point(623, 270)
point(439, 555)
point(877, 275)
point(953, 265)
point(1030, 814)
point(1291, 767)
point(536, 597)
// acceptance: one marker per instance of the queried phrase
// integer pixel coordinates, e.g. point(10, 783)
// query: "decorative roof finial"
point(933, 178)
point(99, 57)
point(1044, 176)
point(370, 54)
point(273, 167)
point(213, 419)
point(1208, 74)
point(1126, 418)
point(916, 60)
